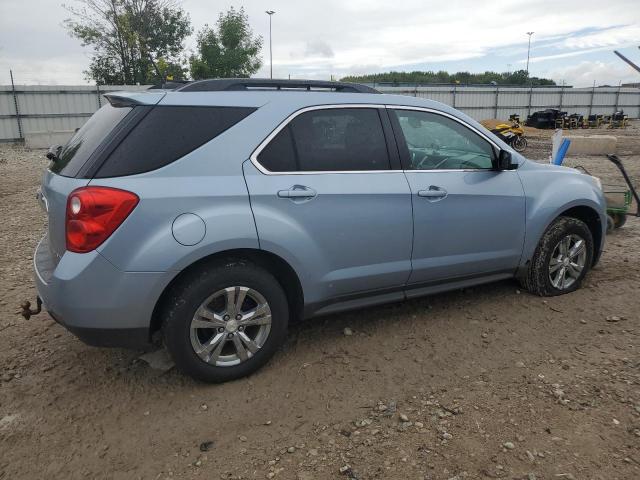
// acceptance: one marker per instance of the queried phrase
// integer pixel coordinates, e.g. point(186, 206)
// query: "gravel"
point(449, 363)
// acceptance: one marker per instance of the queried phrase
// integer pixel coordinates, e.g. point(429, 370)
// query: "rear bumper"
point(134, 338)
point(100, 304)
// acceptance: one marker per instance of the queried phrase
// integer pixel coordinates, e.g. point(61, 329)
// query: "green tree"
point(173, 70)
point(519, 77)
point(133, 41)
point(229, 50)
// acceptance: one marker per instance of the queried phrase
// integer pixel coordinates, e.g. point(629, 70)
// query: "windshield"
point(85, 141)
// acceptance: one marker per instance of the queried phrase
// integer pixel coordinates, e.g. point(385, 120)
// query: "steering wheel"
point(440, 163)
point(470, 164)
point(434, 145)
point(424, 163)
point(421, 164)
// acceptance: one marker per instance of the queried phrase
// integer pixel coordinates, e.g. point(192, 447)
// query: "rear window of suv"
point(87, 139)
point(166, 134)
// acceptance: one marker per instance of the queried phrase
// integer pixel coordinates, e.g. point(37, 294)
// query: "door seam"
point(413, 234)
point(253, 215)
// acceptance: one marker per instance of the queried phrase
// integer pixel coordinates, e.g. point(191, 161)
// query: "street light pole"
point(529, 51)
point(270, 13)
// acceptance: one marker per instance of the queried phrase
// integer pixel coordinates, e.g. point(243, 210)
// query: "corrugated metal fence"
point(483, 102)
point(46, 109)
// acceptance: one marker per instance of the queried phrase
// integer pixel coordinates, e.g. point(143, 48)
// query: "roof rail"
point(169, 85)
point(240, 84)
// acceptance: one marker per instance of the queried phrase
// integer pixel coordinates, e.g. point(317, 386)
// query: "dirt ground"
point(489, 382)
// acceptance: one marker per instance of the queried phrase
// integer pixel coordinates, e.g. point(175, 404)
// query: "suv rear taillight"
point(93, 214)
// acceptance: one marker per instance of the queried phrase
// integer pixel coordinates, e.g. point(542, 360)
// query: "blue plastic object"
point(562, 151)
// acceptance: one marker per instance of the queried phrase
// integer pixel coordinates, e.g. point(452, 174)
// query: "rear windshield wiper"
point(53, 153)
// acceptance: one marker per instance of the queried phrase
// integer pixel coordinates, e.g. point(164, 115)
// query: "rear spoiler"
point(132, 99)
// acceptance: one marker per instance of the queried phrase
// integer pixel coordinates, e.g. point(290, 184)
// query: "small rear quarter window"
point(166, 134)
point(279, 155)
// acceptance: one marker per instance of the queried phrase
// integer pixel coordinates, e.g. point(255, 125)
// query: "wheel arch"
point(280, 268)
point(591, 218)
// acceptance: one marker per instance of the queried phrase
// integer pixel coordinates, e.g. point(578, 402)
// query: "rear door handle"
point(433, 193)
point(298, 191)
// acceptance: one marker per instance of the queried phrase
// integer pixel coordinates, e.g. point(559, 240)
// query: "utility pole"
point(529, 51)
point(270, 13)
point(631, 64)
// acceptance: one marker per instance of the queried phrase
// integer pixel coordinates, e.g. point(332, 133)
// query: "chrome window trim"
point(289, 119)
point(445, 114)
point(254, 156)
point(461, 122)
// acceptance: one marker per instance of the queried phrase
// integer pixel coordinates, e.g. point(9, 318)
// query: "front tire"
point(561, 260)
point(225, 320)
point(519, 144)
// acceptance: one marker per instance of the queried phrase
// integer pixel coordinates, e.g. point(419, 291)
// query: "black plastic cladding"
point(244, 84)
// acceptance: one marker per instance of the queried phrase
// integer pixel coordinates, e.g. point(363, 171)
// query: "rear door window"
point(87, 139)
point(166, 134)
point(332, 139)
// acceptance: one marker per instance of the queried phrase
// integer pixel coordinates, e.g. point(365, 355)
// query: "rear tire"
point(560, 254)
point(248, 312)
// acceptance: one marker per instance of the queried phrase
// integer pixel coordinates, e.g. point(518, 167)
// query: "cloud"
point(56, 70)
point(319, 48)
point(587, 72)
point(556, 56)
point(582, 43)
point(622, 36)
point(334, 37)
point(415, 34)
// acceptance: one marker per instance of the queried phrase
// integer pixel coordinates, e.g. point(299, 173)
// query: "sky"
point(573, 40)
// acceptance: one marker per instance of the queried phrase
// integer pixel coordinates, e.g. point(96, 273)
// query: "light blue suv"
point(213, 215)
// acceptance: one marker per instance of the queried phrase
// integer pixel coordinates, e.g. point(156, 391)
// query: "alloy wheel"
point(230, 326)
point(567, 261)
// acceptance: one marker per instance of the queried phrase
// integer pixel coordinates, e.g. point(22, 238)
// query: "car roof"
point(294, 99)
point(258, 98)
point(245, 84)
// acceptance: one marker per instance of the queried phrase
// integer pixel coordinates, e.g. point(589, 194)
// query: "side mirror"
point(504, 161)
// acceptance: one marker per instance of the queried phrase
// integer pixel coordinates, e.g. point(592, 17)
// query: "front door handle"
point(433, 193)
point(298, 191)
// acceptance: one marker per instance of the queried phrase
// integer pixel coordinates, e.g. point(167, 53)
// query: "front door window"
point(436, 142)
